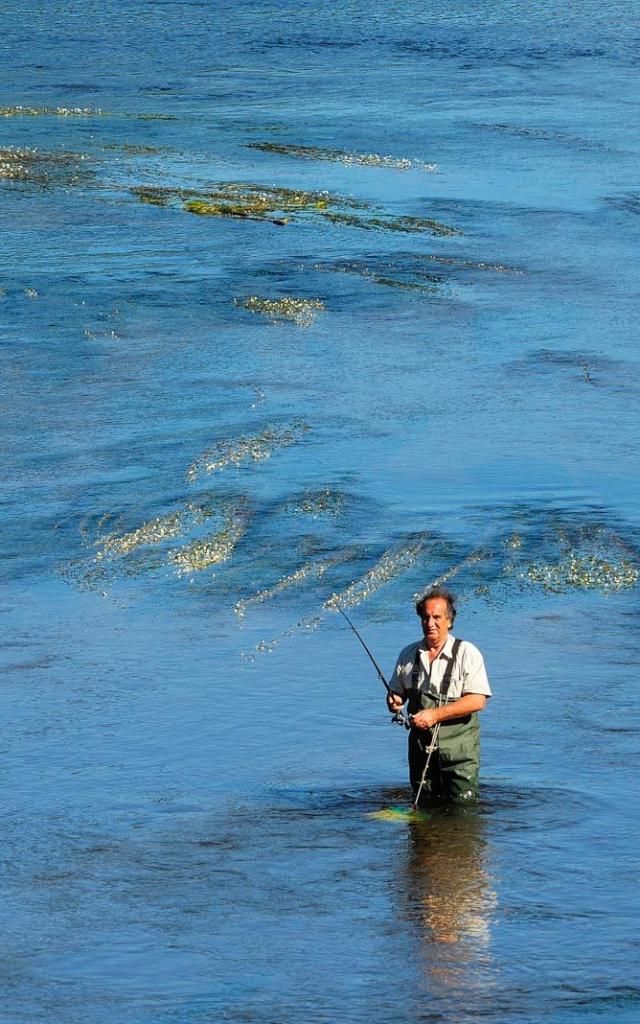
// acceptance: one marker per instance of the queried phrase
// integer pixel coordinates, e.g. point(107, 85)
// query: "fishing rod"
point(435, 734)
point(432, 746)
point(399, 718)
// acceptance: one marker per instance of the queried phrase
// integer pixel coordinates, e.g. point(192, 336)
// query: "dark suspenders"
point(446, 679)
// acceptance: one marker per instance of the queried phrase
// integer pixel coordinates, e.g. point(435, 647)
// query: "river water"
point(303, 300)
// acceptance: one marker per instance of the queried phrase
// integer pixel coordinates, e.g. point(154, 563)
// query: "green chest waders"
point(453, 772)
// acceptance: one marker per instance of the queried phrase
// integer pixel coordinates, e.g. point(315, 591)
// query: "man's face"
point(435, 621)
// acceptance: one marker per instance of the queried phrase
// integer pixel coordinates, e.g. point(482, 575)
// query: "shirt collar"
point(446, 651)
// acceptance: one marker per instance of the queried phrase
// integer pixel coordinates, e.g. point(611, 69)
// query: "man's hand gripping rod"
point(400, 718)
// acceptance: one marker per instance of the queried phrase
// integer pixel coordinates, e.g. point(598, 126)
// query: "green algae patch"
point(270, 203)
point(257, 202)
point(207, 209)
point(151, 199)
point(342, 156)
point(239, 200)
point(302, 312)
point(159, 196)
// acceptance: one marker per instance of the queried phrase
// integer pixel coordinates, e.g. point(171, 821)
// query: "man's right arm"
point(398, 696)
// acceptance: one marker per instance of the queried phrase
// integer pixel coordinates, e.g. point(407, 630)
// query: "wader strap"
point(415, 671)
point(446, 681)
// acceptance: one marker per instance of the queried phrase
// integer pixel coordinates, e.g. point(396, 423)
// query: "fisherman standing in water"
point(445, 683)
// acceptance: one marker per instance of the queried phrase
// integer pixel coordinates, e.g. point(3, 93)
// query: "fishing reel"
point(400, 719)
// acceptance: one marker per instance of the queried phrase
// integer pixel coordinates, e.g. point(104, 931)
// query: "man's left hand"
point(425, 719)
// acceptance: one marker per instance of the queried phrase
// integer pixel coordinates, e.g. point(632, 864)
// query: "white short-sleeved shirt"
point(469, 674)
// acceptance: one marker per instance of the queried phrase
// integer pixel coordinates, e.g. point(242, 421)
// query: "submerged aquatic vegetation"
point(298, 576)
point(278, 205)
point(299, 311)
point(152, 197)
point(410, 270)
point(237, 199)
point(210, 550)
point(342, 156)
point(33, 166)
point(13, 162)
point(309, 570)
point(259, 393)
point(514, 542)
point(138, 149)
point(626, 201)
point(245, 212)
point(391, 564)
point(256, 202)
point(473, 559)
point(395, 272)
point(155, 531)
point(387, 222)
point(318, 503)
point(21, 111)
point(464, 264)
point(558, 554)
point(583, 572)
point(582, 365)
point(130, 554)
point(270, 198)
point(544, 134)
point(255, 448)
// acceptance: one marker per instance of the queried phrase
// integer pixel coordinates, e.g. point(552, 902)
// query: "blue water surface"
point(423, 368)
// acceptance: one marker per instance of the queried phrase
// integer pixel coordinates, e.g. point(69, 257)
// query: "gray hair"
point(445, 594)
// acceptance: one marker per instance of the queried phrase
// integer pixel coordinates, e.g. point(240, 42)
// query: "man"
point(445, 682)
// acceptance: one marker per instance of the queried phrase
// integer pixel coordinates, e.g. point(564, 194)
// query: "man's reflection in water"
point(449, 890)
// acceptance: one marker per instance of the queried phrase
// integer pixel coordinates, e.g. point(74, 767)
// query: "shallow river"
point(303, 300)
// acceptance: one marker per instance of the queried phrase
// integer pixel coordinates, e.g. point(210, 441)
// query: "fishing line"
point(399, 718)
